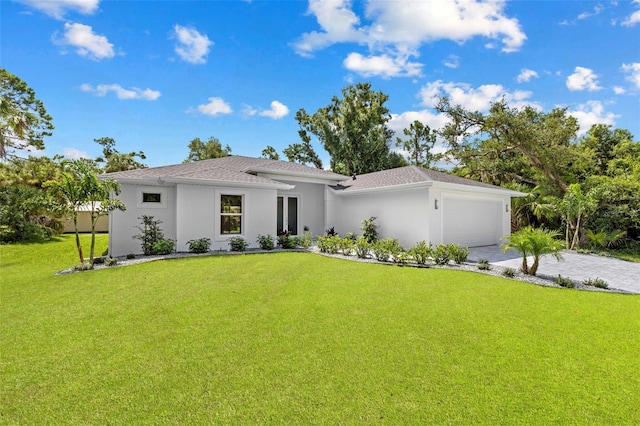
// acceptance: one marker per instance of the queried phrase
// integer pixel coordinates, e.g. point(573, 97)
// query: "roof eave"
point(208, 182)
point(330, 177)
point(404, 186)
point(478, 189)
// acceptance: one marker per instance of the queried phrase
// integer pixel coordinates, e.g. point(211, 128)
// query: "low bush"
point(238, 244)
point(131, 256)
point(287, 241)
point(305, 240)
point(421, 252)
point(331, 232)
point(483, 264)
point(509, 272)
point(402, 258)
point(111, 261)
point(84, 266)
point(458, 254)
point(266, 242)
point(201, 245)
point(362, 247)
point(98, 260)
point(441, 254)
point(351, 235)
point(345, 245)
point(370, 229)
point(384, 250)
point(596, 282)
point(162, 246)
point(564, 282)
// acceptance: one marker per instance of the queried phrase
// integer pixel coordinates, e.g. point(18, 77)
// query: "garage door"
point(471, 223)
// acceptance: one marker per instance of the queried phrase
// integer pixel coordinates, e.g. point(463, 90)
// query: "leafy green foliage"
point(509, 272)
point(114, 160)
point(421, 252)
point(200, 245)
point(458, 254)
point(362, 246)
point(483, 264)
point(24, 121)
point(564, 282)
point(212, 148)
point(111, 261)
point(150, 233)
point(353, 130)
point(305, 240)
point(386, 249)
point(534, 242)
point(23, 215)
point(302, 153)
point(238, 243)
point(163, 246)
point(266, 242)
point(345, 245)
point(596, 282)
point(270, 153)
point(418, 144)
point(287, 241)
point(441, 255)
point(370, 229)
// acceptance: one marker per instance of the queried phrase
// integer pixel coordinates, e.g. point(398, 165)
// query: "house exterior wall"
point(84, 223)
point(123, 224)
point(310, 205)
point(402, 214)
point(198, 214)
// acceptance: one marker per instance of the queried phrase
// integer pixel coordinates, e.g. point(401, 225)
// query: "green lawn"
point(299, 338)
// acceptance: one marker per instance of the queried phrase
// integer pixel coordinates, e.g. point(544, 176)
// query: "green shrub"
point(131, 256)
point(370, 229)
point(287, 241)
point(458, 254)
point(402, 258)
point(322, 242)
point(351, 236)
point(509, 272)
point(564, 282)
point(441, 254)
point(98, 260)
point(201, 245)
point(305, 240)
point(596, 282)
point(266, 242)
point(163, 246)
point(383, 250)
point(111, 261)
point(483, 264)
point(84, 266)
point(421, 252)
point(238, 244)
point(362, 247)
point(150, 234)
point(345, 245)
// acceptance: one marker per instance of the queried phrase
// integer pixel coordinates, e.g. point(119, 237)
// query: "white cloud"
point(452, 61)
point(193, 47)
point(407, 24)
point(75, 154)
point(619, 90)
point(633, 70)
point(526, 75)
point(596, 11)
point(399, 122)
point(474, 99)
point(58, 8)
point(121, 93)
point(634, 18)
point(216, 106)
point(277, 111)
point(87, 43)
point(592, 113)
point(249, 111)
point(583, 79)
point(384, 65)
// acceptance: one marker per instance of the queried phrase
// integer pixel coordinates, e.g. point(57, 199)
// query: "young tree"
point(80, 186)
point(534, 242)
point(352, 129)
point(576, 205)
point(270, 153)
point(114, 160)
point(199, 150)
point(24, 121)
point(302, 153)
point(419, 143)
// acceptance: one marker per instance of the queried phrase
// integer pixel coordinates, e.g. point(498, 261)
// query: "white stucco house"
point(247, 197)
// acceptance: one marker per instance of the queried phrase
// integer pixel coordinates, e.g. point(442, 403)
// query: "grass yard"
point(303, 339)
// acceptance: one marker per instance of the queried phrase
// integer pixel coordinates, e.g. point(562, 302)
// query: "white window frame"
point(218, 212)
point(151, 190)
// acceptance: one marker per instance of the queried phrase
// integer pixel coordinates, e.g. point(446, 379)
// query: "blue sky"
point(153, 75)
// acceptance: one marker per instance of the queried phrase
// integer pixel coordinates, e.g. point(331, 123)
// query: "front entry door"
point(288, 215)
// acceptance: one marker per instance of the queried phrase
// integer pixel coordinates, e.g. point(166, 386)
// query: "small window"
point(230, 214)
point(151, 197)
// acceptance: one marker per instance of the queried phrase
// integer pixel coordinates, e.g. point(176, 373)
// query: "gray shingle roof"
point(403, 176)
point(230, 169)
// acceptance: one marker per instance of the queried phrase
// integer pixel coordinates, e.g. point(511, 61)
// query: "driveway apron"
point(618, 273)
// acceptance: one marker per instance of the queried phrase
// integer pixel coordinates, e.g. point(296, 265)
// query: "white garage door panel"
point(470, 223)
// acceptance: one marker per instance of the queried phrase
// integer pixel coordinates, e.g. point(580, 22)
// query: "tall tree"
point(602, 141)
point(114, 160)
point(24, 121)
point(535, 142)
point(352, 129)
point(80, 186)
point(270, 153)
point(302, 153)
point(419, 143)
point(212, 148)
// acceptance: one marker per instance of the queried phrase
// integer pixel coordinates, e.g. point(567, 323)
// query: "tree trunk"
point(576, 234)
point(534, 267)
point(93, 238)
point(78, 245)
point(525, 266)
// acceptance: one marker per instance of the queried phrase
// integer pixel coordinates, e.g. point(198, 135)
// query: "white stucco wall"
point(123, 225)
point(401, 214)
point(310, 205)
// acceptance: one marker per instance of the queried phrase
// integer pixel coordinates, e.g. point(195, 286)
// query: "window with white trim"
point(152, 197)
point(230, 214)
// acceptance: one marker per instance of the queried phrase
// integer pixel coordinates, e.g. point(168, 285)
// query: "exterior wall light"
point(436, 204)
point(506, 208)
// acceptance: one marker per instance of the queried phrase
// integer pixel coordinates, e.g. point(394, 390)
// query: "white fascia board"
point(334, 177)
point(208, 182)
point(413, 185)
point(301, 179)
point(477, 189)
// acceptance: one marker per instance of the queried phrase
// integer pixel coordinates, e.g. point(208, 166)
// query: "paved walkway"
point(618, 273)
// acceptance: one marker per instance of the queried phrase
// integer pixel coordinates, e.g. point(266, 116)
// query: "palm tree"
point(536, 242)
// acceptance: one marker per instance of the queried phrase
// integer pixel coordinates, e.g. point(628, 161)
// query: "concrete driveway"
point(618, 273)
